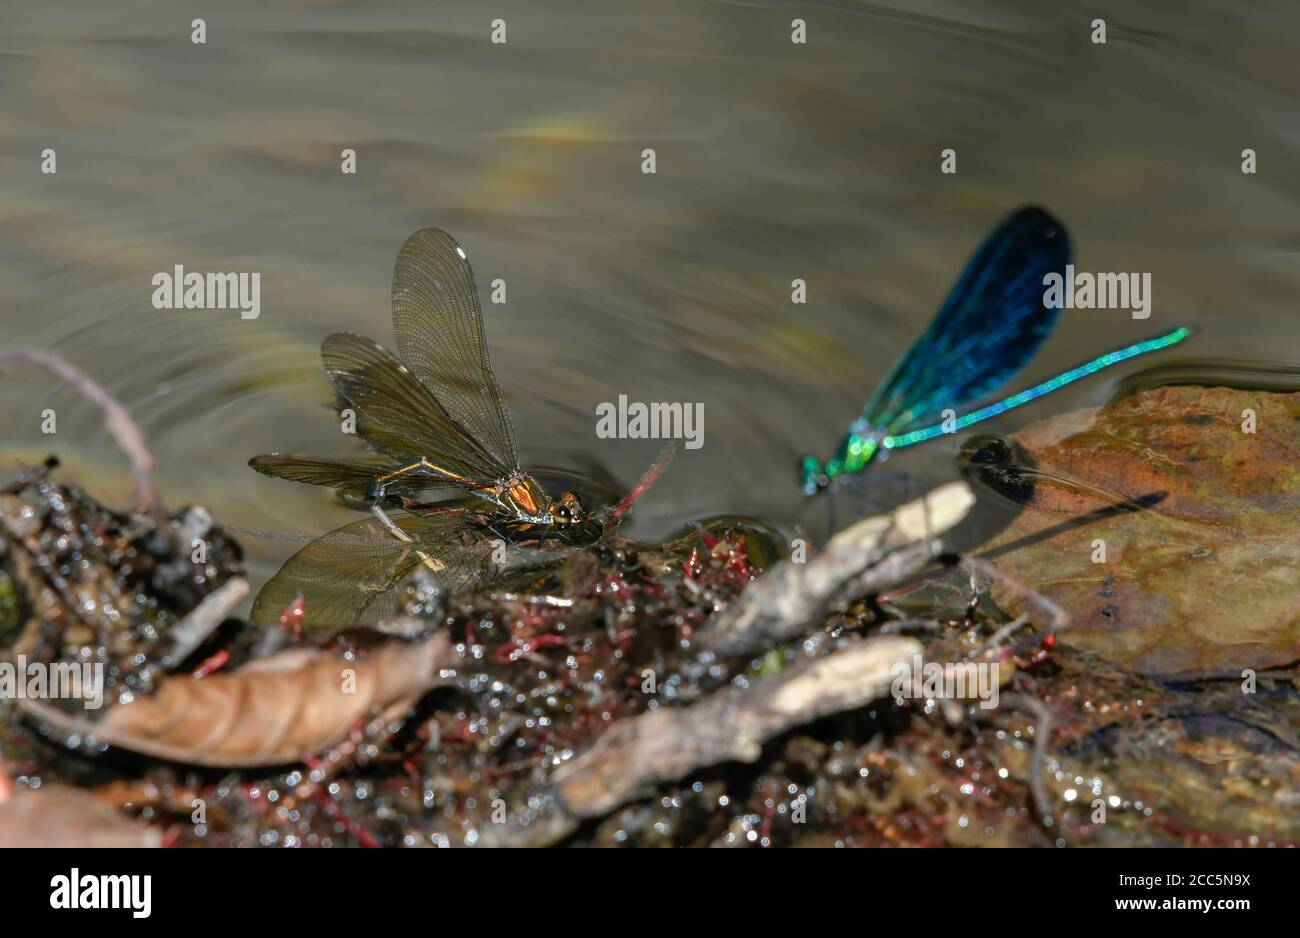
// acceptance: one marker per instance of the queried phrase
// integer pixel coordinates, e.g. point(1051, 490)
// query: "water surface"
point(775, 162)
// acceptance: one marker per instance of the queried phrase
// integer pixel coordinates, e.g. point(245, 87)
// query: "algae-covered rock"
point(1167, 525)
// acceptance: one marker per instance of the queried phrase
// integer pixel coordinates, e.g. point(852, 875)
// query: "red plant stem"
point(215, 663)
point(291, 618)
point(648, 479)
point(523, 646)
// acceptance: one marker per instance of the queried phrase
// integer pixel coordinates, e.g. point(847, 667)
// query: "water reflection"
point(775, 162)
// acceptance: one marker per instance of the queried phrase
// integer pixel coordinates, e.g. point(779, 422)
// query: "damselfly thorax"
point(518, 495)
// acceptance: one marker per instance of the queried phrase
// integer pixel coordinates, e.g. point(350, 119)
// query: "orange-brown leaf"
point(57, 816)
point(271, 711)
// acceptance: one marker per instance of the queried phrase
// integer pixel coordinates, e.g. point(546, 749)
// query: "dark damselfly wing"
point(349, 576)
point(401, 417)
point(396, 415)
point(351, 475)
point(439, 328)
point(988, 329)
point(441, 405)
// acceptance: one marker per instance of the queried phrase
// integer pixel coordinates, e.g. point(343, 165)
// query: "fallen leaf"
point(1200, 576)
point(271, 711)
point(58, 816)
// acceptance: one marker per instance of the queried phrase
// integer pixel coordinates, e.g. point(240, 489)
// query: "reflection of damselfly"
point(437, 419)
point(989, 328)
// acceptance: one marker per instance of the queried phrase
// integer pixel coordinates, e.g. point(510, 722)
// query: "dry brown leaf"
point(271, 711)
point(57, 816)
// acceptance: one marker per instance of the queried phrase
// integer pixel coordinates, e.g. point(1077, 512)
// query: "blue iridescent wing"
point(992, 323)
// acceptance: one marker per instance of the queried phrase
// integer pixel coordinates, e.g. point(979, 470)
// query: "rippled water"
point(775, 162)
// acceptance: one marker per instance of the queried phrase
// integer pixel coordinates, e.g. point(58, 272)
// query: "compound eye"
point(564, 514)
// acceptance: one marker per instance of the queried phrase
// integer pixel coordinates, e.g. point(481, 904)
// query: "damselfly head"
point(815, 475)
point(568, 510)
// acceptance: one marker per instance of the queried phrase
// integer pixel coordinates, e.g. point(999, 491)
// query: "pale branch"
point(732, 724)
point(194, 629)
point(866, 558)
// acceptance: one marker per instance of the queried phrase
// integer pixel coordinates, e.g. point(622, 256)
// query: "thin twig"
point(1057, 618)
point(534, 599)
point(116, 418)
point(1016, 623)
point(1038, 757)
point(898, 626)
